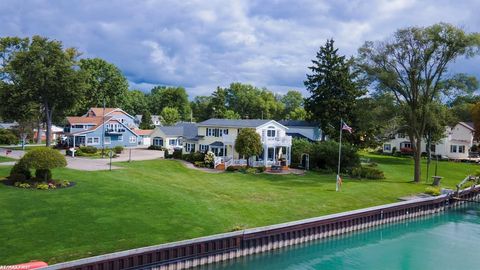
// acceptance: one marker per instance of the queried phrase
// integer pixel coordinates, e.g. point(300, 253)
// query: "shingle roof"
point(190, 130)
point(469, 124)
point(172, 130)
point(241, 123)
point(96, 120)
point(298, 123)
point(99, 111)
point(144, 132)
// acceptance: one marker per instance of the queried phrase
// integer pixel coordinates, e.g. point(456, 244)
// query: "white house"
point(219, 135)
point(455, 145)
point(303, 129)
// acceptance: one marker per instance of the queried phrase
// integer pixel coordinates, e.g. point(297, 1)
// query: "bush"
point(7, 137)
point(367, 172)
point(187, 157)
point(44, 159)
point(209, 159)
point(198, 156)
point(250, 170)
point(156, 147)
point(43, 174)
point(177, 154)
point(88, 149)
point(43, 186)
point(434, 191)
point(20, 172)
point(118, 149)
point(261, 169)
point(231, 169)
point(199, 164)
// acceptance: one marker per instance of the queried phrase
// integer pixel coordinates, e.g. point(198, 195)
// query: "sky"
point(204, 44)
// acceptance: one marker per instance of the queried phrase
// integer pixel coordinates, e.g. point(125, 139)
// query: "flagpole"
point(339, 155)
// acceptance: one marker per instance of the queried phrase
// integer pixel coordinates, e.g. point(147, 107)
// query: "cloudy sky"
point(204, 44)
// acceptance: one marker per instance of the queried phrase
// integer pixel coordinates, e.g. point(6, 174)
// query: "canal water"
point(450, 240)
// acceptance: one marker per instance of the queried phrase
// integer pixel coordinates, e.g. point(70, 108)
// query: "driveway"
point(90, 164)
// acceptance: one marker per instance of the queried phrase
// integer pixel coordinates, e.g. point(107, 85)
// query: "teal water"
point(450, 240)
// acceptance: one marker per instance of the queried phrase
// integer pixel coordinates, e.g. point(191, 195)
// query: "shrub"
point(231, 169)
point(177, 154)
point(23, 185)
point(43, 174)
point(64, 183)
point(367, 172)
point(7, 137)
point(44, 159)
point(199, 164)
point(261, 169)
point(434, 191)
point(88, 149)
point(209, 159)
point(250, 170)
point(20, 171)
point(43, 186)
point(118, 149)
point(156, 147)
point(198, 156)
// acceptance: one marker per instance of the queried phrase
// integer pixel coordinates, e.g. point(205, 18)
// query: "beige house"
point(173, 137)
point(218, 136)
point(456, 143)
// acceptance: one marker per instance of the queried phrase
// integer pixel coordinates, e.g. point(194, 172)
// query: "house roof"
point(190, 130)
point(298, 123)
point(96, 120)
point(99, 111)
point(144, 132)
point(241, 123)
point(468, 125)
point(172, 130)
point(298, 136)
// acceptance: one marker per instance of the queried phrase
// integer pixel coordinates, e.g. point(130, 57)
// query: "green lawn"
point(158, 201)
point(6, 159)
point(27, 147)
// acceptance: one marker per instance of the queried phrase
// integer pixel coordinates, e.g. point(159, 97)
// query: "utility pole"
point(103, 130)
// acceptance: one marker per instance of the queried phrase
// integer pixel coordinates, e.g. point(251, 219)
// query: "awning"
point(217, 143)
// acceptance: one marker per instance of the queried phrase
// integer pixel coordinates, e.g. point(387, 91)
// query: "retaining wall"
point(199, 251)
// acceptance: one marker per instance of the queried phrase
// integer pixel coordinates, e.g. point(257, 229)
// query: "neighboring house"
point(116, 128)
point(155, 120)
point(8, 125)
point(303, 129)
point(455, 145)
point(57, 132)
point(144, 136)
point(172, 137)
point(219, 135)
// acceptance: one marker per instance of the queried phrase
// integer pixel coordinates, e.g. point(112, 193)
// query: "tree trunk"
point(417, 160)
point(39, 130)
point(48, 116)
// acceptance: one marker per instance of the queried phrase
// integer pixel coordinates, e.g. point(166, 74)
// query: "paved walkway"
point(91, 164)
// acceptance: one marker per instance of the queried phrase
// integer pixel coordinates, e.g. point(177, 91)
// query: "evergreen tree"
point(146, 121)
point(333, 89)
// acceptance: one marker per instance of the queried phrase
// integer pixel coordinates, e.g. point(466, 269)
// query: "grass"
point(27, 147)
point(158, 201)
point(6, 159)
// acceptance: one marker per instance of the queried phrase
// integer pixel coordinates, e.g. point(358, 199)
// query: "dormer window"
point(271, 132)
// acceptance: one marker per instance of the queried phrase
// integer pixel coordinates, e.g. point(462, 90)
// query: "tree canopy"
point(248, 143)
point(169, 116)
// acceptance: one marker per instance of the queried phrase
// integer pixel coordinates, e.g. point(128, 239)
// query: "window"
point(77, 126)
point(120, 138)
point(190, 147)
point(172, 142)
point(96, 140)
point(218, 151)
point(158, 141)
point(461, 149)
point(453, 148)
point(90, 140)
point(133, 139)
point(406, 145)
point(93, 140)
point(387, 147)
point(401, 135)
point(216, 132)
point(270, 153)
point(108, 140)
point(203, 148)
point(271, 132)
point(433, 148)
point(225, 131)
point(85, 127)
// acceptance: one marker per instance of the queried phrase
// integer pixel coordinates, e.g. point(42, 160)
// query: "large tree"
point(173, 97)
point(201, 109)
point(169, 116)
point(146, 121)
point(45, 74)
point(293, 100)
point(105, 82)
point(136, 102)
point(333, 88)
point(248, 143)
point(412, 65)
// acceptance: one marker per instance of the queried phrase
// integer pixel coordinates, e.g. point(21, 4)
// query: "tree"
point(46, 75)
point(297, 114)
point(136, 102)
point(412, 66)
point(229, 114)
point(248, 143)
point(43, 160)
point(201, 109)
point(104, 82)
point(333, 89)
point(217, 106)
point(293, 100)
point(146, 121)
point(476, 120)
point(170, 116)
point(173, 97)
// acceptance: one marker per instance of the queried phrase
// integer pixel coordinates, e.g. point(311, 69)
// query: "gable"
point(274, 124)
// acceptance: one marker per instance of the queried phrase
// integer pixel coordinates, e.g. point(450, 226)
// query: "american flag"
point(346, 127)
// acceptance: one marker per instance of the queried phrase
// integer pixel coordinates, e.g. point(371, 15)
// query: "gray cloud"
point(205, 44)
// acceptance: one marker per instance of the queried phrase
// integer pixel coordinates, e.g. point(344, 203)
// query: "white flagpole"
point(339, 155)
